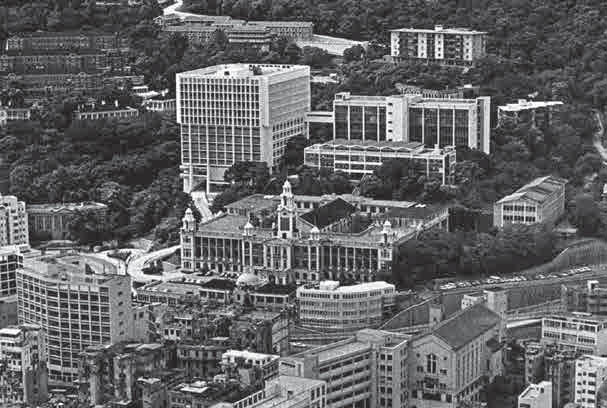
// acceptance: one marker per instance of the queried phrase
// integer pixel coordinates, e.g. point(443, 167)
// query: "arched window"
point(431, 363)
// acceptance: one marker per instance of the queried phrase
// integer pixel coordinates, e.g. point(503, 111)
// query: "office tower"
point(413, 118)
point(366, 370)
point(330, 306)
point(445, 46)
point(238, 112)
point(23, 375)
point(541, 200)
point(536, 396)
point(590, 376)
point(75, 308)
point(13, 222)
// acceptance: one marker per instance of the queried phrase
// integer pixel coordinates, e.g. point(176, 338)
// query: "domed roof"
point(248, 279)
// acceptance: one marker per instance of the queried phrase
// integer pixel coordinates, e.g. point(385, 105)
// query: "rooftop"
point(241, 70)
point(523, 104)
point(578, 317)
point(537, 190)
point(385, 146)
point(342, 350)
point(256, 202)
point(440, 29)
point(67, 33)
point(333, 286)
point(274, 289)
point(417, 212)
point(57, 207)
point(329, 213)
point(534, 390)
point(220, 284)
point(250, 355)
point(466, 325)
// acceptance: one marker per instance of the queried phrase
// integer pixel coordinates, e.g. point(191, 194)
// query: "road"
point(172, 9)
point(598, 136)
point(138, 262)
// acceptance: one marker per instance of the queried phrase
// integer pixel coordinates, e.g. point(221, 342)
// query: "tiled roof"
point(466, 325)
point(537, 190)
point(329, 213)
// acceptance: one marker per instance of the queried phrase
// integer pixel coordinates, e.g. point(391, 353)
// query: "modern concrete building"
point(330, 306)
point(117, 113)
point(23, 374)
point(238, 112)
point(165, 106)
point(285, 392)
point(413, 118)
point(10, 260)
point(535, 113)
point(536, 396)
point(445, 46)
point(13, 222)
point(454, 360)
point(358, 158)
point(366, 370)
point(51, 221)
point(539, 201)
point(580, 332)
point(76, 308)
point(66, 40)
point(590, 376)
point(589, 298)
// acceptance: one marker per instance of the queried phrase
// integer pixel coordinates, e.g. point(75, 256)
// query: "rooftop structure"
point(541, 200)
point(536, 396)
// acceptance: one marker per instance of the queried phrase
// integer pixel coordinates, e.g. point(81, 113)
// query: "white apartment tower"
point(13, 222)
point(590, 375)
point(75, 308)
point(238, 112)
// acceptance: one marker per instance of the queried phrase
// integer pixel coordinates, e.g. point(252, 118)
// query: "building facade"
point(23, 374)
point(536, 396)
point(127, 112)
point(588, 298)
point(445, 46)
point(345, 308)
point(580, 332)
point(238, 112)
point(534, 113)
point(51, 221)
point(366, 370)
point(413, 118)
point(66, 40)
point(539, 201)
point(590, 376)
point(10, 260)
point(75, 309)
point(358, 158)
point(13, 222)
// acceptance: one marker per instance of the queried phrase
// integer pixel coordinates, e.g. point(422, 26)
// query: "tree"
point(354, 53)
point(315, 57)
point(87, 228)
point(254, 174)
point(586, 216)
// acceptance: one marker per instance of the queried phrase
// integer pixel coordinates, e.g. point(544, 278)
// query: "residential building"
point(358, 158)
point(13, 222)
point(365, 370)
point(284, 392)
point(310, 244)
point(23, 375)
point(534, 362)
point(413, 118)
point(167, 106)
point(534, 113)
point(76, 307)
point(51, 221)
point(66, 40)
point(205, 394)
point(155, 390)
point(580, 332)
point(249, 367)
point(60, 61)
point(590, 376)
point(539, 201)
point(292, 30)
point(536, 396)
point(330, 306)
point(182, 291)
point(117, 113)
point(445, 46)
point(454, 360)
point(249, 35)
point(262, 331)
point(201, 360)
point(10, 260)
point(589, 298)
point(238, 112)
point(109, 373)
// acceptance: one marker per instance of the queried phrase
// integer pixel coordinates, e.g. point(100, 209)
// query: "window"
point(431, 363)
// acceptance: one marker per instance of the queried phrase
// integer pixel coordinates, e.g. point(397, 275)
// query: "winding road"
point(598, 136)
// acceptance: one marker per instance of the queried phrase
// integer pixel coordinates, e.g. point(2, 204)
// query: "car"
point(476, 282)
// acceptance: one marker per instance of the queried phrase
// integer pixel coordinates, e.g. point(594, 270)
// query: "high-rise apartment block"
point(540, 201)
point(13, 222)
point(580, 332)
point(536, 396)
point(413, 118)
point(23, 375)
point(75, 309)
point(590, 376)
point(366, 370)
point(333, 307)
point(445, 46)
point(238, 112)
point(10, 260)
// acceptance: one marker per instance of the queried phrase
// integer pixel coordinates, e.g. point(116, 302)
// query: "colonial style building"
point(304, 245)
point(52, 220)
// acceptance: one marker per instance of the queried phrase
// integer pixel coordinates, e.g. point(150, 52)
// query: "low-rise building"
point(262, 331)
point(589, 298)
point(536, 396)
point(166, 106)
point(13, 222)
point(127, 112)
point(590, 376)
point(358, 158)
point(66, 40)
point(23, 374)
point(51, 221)
point(539, 201)
point(284, 392)
point(534, 113)
point(580, 332)
point(201, 361)
point(205, 394)
point(365, 370)
point(330, 306)
point(456, 359)
point(248, 367)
